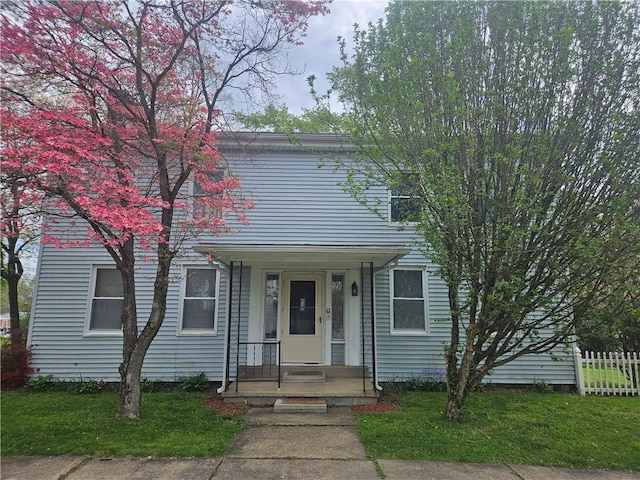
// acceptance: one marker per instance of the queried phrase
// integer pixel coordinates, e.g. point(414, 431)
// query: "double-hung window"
point(404, 204)
point(107, 301)
point(199, 309)
point(409, 313)
point(203, 199)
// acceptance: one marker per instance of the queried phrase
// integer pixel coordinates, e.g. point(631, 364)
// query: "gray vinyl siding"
point(296, 203)
point(401, 357)
point(60, 347)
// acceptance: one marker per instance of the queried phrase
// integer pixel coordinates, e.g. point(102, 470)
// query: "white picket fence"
point(610, 373)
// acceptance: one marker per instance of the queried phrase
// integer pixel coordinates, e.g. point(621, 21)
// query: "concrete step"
point(300, 405)
point(304, 376)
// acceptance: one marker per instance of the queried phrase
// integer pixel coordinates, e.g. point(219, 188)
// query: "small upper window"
point(404, 205)
point(200, 300)
point(409, 304)
point(201, 204)
point(107, 301)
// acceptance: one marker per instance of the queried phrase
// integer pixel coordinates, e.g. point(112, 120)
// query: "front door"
point(302, 319)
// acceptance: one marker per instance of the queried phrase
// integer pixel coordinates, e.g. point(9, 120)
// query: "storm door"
point(302, 319)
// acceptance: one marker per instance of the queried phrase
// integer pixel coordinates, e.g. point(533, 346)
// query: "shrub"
point(196, 383)
point(86, 386)
point(42, 383)
point(15, 365)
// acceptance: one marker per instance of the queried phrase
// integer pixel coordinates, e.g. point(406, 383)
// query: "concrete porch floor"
point(335, 390)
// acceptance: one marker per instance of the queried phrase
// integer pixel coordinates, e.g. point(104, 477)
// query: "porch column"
point(227, 332)
point(374, 363)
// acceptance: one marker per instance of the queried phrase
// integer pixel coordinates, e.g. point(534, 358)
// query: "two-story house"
point(316, 280)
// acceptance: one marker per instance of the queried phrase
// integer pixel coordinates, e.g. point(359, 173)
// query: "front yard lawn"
point(520, 428)
point(172, 424)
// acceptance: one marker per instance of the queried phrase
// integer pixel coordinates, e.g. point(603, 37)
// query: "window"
point(272, 288)
point(404, 205)
point(408, 304)
point(107, 301)
point(337, 306)
point(202, 206)
point(200, 300)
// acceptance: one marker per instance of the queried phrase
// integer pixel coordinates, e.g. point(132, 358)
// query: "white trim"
point(87, 331)
point(425, 301)
point(307, 256)
point(183, 285)
point(390, 220)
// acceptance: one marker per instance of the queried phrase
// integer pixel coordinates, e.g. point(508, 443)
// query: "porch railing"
point(262, 362)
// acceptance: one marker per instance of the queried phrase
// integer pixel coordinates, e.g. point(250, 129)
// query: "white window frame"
point(263, 295)
point(191, 332)
point(392, 221)
point(91, 295)
point(347, 289)
point(425, 299)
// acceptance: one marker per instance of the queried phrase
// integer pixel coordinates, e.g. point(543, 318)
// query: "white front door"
point(302, 319)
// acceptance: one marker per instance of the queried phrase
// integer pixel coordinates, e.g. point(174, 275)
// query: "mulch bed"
point(215, 401)
point(387, 402)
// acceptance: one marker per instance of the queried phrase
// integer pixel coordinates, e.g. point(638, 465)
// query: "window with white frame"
point(200, 300)
point(409, 301)
point(107, 301)
point(337, 306)
point(404, 205)
point(201, 208)
point(271, 296)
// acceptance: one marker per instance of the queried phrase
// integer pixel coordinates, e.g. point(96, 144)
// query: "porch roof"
point(304, 255)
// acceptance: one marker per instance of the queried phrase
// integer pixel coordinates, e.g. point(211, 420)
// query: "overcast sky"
point(321, 52)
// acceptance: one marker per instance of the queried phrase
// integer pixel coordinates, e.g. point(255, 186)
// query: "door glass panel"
point(271, 306)
point(337, 307)
point(302, 307)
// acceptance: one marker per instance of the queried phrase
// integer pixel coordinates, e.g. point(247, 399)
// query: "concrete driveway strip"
point(279, 469)
point(310, 442)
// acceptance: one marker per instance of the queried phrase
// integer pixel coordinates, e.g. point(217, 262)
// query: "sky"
point(321, 51)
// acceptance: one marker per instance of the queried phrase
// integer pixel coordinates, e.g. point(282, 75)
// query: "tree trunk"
point(12, 272)
point(135, 346)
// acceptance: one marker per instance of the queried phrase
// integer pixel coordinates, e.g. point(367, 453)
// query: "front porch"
point(341, 386)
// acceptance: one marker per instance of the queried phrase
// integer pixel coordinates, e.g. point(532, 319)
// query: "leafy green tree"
point(514, 128)
point(614, 325)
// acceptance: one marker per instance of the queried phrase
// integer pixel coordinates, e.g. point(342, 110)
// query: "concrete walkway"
point(284, 446)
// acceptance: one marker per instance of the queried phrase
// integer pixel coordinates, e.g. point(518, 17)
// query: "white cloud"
point(321, 51)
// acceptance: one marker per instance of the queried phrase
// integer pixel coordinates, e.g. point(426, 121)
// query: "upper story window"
point(409, 301)
point(199, 313)
point(200, 206)
point(404, 205)
point(107, 301)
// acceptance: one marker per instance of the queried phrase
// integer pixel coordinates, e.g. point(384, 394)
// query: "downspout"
point(227, 334)
point(364, 362)
point(374, 352)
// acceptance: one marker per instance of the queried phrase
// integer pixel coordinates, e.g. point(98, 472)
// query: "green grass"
point(603, 377)
point(172, 424)
point(521, 428)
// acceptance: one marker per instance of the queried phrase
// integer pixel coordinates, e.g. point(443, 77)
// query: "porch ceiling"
point(305, 255)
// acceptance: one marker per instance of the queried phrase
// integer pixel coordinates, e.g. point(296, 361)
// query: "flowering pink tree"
point(133, 94)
